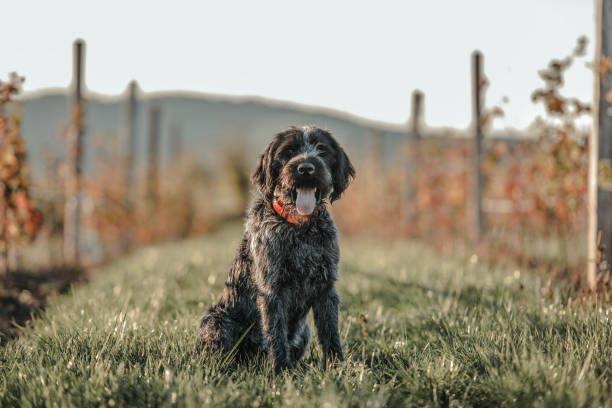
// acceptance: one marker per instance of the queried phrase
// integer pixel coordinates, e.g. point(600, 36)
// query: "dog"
point(287, 260)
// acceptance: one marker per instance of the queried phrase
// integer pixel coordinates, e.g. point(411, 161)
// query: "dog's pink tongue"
point(305, 201)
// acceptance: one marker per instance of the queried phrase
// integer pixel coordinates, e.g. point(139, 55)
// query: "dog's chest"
point(308, 263)
point(301, 262)
point(309, 270)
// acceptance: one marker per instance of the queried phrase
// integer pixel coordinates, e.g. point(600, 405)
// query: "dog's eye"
point(287, 152)
point(322, 150)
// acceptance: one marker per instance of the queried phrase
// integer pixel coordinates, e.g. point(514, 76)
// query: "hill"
point(207, 124)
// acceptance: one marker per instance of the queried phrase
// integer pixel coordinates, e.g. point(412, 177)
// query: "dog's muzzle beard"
point(303, 200)
point(304, 192)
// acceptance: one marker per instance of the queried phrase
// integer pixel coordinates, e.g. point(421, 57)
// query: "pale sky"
point(361, 57)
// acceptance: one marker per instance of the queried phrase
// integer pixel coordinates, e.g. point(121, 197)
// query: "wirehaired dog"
point(287, 261)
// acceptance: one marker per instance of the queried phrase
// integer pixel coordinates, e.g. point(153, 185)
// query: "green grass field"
point(439, 331)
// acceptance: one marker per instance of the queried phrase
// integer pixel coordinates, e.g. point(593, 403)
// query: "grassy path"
point(438, 332)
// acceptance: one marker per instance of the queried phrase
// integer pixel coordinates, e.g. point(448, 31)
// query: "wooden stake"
point(600, 149)
point(153, 159)
point(72, 215)
point(416, 114)
point(176, 143)
point(130, 137)
point(412, 160)
point(477, 84)
point(376, 147)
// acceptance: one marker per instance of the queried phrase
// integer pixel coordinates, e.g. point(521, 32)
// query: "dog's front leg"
point(326, 320)
point(274, 326)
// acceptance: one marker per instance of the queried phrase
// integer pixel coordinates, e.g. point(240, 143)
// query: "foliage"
point(434, 189)
point(557, 105)
point(532, 187)
point(545, 182)
point(438, 332)
point(561, 158)
point(191, 201)
point(19, 219)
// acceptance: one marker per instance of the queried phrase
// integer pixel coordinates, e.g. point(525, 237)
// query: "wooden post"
point(4, 259)
point(600, 150)
point(477, 84)
point(376, 147)
point(129, 153)
point(72, 215)
point(130, 138)
point(153, 155)
point(416, 114)
point(412, 157)
point(176, 143)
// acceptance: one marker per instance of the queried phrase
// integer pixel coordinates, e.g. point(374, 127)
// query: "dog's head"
point(304, 167)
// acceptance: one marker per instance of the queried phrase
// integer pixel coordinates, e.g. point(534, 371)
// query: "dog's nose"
point(306, 168)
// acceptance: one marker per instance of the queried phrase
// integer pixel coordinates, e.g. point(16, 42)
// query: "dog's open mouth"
point(305, 199)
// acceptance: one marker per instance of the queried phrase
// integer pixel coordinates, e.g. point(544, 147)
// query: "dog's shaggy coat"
point(283, 269)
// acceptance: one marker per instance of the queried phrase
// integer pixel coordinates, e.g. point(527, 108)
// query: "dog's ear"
point(342, 172)
point(265, 173)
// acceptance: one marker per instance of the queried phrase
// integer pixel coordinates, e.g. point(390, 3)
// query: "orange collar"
point(284, 212)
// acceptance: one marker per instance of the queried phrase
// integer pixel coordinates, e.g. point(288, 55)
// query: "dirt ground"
point(24, 293)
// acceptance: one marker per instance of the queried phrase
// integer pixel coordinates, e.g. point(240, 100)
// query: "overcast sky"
point(361, 57)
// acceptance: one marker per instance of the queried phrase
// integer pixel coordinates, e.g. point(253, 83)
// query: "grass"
point(439, 332)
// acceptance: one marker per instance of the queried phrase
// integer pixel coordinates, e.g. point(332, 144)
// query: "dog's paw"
point(281, 367)
point(331, 358)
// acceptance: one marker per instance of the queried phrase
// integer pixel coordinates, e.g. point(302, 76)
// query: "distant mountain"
point(209, 124)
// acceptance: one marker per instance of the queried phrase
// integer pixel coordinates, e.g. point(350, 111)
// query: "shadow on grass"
point(391, 292)
point(24, 293)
